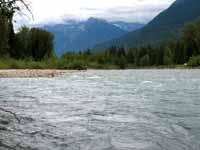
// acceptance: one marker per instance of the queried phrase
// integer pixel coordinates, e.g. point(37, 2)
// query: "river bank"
point(35, 73)
point(29, 73)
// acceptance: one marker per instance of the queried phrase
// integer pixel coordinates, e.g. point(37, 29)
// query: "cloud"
point(127, 10)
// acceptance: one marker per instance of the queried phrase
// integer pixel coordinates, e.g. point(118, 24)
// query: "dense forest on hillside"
point(185, 52)
point(33, 48)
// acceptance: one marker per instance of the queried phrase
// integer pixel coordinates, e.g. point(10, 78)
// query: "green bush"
point(194, 61)
point(77, 65)
point(3, 64)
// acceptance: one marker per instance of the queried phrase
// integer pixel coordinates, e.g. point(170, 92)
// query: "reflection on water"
point(102, 110)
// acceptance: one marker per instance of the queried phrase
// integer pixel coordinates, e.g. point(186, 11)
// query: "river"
point(102, 110)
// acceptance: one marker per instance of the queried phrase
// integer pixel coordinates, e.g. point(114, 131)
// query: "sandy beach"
point(32, 73)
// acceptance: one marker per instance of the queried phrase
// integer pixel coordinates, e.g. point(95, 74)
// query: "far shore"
point(32, 73)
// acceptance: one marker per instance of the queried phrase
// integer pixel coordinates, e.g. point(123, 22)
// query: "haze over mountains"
point(81, 35)
point(167, 25)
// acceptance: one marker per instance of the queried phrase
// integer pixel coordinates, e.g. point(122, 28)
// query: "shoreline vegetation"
point(89, 60)
point(33, 48)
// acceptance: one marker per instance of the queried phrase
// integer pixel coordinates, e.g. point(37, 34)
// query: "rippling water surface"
point(102, 110)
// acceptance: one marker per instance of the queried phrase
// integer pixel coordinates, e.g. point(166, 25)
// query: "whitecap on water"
point(94, 77)
point(146, 82)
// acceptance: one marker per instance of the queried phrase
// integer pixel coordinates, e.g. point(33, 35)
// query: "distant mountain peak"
point(76, 36)
point(92, 19)
point(96, 20)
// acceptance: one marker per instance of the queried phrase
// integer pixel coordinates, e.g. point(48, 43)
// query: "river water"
point(102, 110)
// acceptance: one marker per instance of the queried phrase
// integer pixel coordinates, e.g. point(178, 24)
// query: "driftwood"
point(6, 146)
point(12, 113)
point(15, 147)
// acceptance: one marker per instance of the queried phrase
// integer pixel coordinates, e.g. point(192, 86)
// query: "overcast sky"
point(51, 11)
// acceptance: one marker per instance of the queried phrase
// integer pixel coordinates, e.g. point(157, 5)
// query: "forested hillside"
point(166, 26)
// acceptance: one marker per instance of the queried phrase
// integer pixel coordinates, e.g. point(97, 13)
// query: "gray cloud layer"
point(112, 10)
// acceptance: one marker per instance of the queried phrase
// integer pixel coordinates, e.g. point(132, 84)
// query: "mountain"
point(80, 35)
point(128, 26)
point(167, 25)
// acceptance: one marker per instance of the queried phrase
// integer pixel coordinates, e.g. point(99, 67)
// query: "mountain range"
point(81, 35)
point(167, 25)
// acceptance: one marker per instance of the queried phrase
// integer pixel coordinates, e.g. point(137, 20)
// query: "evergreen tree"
point(145, 60)
point(22, 43)
point(41, 43)
point(121, 62)
point(168, 57)
point(4, 36)
point(191, 37)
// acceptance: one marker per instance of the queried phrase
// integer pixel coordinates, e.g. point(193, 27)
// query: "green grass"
point(81, 64)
